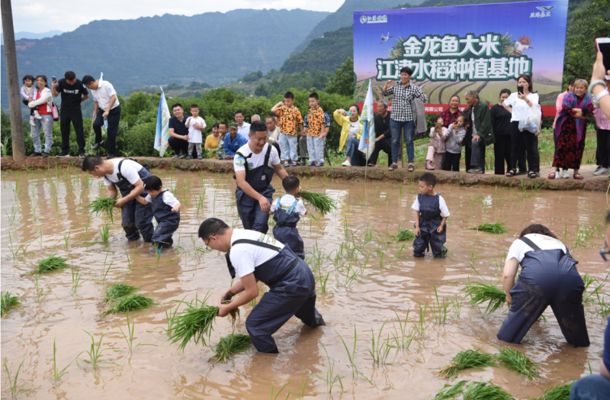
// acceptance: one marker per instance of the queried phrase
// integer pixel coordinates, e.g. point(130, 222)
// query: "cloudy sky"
point(67, 15)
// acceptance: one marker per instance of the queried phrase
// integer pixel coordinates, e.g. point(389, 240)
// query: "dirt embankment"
point(590, 183)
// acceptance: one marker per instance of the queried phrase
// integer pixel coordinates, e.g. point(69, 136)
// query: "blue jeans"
point(351, 147)
point(45, 123)
point(288, 147)
point(592, 387)
point(396, 128)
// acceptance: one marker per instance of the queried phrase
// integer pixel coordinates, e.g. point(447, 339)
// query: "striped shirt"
point(403, 95)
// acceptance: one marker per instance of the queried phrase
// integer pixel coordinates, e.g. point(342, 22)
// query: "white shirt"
point(441, 204)
point(129, 170)
point(256, 160)
point(195, 135)
point(286, 201)
point(353, 128)
point(520, 110)
point(273, 136)
point(244, 130)
point(168, 198)
point(518, 249)
point(103, 93)
point(246, 257)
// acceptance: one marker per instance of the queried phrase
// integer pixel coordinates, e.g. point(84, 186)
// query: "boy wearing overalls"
point(165, 209)
point(430, 213)
point(287, 210)
point(254, 165)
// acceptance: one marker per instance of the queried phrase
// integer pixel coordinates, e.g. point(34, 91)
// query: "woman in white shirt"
point(548, 278)
point(525, 123)
point(43, 103)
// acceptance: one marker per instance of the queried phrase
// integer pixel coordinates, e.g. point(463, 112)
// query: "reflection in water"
point(374, 293)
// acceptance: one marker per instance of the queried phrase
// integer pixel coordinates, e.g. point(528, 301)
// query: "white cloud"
point(67, 15)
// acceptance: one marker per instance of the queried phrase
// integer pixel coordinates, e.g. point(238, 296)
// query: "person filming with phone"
point(598, 88)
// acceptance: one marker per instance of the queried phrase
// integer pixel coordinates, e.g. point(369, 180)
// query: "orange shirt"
point(289, 119)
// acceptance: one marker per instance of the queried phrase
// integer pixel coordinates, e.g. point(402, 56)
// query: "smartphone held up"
point(603, 44)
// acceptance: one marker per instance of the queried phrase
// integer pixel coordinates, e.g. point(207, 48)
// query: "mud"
point(367, 284)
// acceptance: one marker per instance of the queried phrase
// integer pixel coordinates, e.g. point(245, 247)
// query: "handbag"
point(55, 112)
point(533, 121)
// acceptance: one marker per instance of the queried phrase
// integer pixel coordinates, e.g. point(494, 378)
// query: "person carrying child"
point(453, 145)
point(196, 125)
point(287, 210)
point(436, 148)
point(165, 209)
point(28, 93)
point(431, 212)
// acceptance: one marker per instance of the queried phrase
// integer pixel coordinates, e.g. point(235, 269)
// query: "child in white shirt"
point(287, 211)
point(196, 125)
point(28, 93)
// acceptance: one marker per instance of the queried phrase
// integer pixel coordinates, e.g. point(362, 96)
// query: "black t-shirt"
point(178, 126)
point(500, 120)
point(71, 95)
point(382, 127)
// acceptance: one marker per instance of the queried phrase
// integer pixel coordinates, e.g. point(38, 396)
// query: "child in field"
point(453, 145)
point(287, 210)
point(166, 210)
point(436, 148)
point(196, 125)
point(28, 93)
point(430, 212)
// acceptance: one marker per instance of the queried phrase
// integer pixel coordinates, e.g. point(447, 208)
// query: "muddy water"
point(368, 286)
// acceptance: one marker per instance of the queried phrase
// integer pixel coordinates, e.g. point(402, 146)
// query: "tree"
point(344, 80)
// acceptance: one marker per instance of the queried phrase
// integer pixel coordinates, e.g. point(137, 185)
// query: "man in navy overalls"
point(254, 165)
point(548, 278)
point(256, 257)
point(126, 175)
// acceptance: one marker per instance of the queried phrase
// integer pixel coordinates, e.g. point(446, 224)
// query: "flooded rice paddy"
point(392, 321)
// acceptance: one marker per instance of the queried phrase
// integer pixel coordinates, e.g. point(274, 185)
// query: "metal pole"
point(8, 31)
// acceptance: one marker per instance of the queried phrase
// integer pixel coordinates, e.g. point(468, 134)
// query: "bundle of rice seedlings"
point(517, 361)
point(229, 345)
point(103, 205)
point(485, 391)
point(8, 303)
point(467, 359)
point(405, 234)
point(492, 228)
point(561, 392)
point(118, 290)
point(321, 202)
point(485, 292)
point(50, 264)
point(449, 392)
point(193, 323)
point(130, 302)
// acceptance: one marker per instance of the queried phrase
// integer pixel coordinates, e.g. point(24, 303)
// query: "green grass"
point(103, 205)
point(466, 360)
point(485, 391)
point(194, 323)
point(561, 392)
point(50, 264)
point(404, 235)
point(229, 345)
point(118, 290)
point(483, 292)
point(321, 202)
point(130, 302)
point(518, 362)
point(8, 302)
point(496, 228)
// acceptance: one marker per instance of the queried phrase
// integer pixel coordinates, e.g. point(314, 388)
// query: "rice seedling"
point(404, 235)
point(8, 302)
point(351, 352)
point(13, 380)
point(495, 228)
point(229, 345)
point(58, 373)
point(66, 240)
point(75, 279)
point(193, 323)
point(132, 302)
point(50, 264)
point(484, 292)
point(332, 378)
point(380, 349)
point(105, 234)
point(485, 390)
point(107, 266)
point(319, 201)
point(560, 392)
point(129, 336)
point(465, 360)
point(103, 205)
point(450, 391)
point(118, 290)
point(518, 362)
point(401, 339)
point(95, 350)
